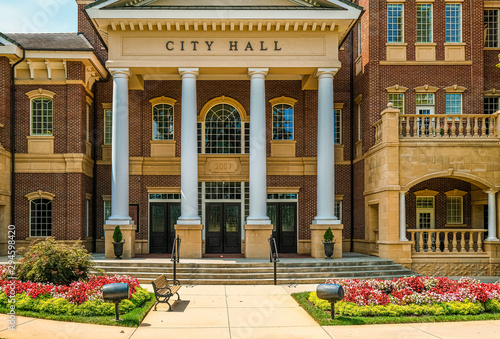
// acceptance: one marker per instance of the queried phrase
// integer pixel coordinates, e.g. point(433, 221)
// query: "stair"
point(248, 272)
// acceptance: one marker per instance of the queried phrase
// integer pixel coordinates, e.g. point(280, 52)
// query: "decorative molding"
point(54, 163)
point(492, 92)
point(426, 193)
point(107, 105)
point(163, 190)
point(40, 93)
point(338, 105)
point(271, 190)
point(491, 4)
point(455, 193)
point(426, 89)
point(89, 100)
point(88, 196)
point(223, 100)
point(106, 197)
point(425, 63)
point(339, 197)
point(162, 100)
point(396, 89)
point(455, 89)
point(358, 99)
point(283, 100)
point(40, 195)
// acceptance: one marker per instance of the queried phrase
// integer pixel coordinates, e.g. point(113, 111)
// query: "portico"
point(244, 44)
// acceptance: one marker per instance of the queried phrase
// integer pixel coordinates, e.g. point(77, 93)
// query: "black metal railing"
point(273, 255)
point(176, 255)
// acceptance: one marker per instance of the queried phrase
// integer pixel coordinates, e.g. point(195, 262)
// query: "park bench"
point(163, 290)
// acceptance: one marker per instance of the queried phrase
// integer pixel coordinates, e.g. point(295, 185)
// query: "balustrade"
point(447, 240)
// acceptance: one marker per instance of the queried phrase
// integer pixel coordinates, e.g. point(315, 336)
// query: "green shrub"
point(492, 306)
point(328, 236)
point(140, 296)
point(49, 261)
point(117, 234)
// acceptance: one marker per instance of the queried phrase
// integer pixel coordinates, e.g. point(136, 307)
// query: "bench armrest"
point(174, 282)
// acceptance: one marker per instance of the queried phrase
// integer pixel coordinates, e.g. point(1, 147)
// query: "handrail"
point(273, 255)
point(175, 256)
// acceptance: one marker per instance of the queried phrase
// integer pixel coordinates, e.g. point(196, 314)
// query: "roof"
point(51, 41)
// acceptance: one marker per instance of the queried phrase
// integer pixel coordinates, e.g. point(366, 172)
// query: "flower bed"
point(414, 296)
point(79, 298)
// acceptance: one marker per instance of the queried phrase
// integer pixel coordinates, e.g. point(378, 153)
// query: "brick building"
point(256, 118)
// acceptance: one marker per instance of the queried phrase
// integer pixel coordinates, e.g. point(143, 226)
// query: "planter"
point(118, 249)
point(328, 249)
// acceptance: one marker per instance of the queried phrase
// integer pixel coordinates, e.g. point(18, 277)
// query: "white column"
point(402, 216)
point(119, 149)
point(492, 221)
point(258, 187)
point(326, 160)
point(189, 149)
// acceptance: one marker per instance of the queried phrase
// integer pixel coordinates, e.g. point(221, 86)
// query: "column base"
point(256, 240)
point(317, 232)
point(398, 251)
point(191, 241)
point(128, 232)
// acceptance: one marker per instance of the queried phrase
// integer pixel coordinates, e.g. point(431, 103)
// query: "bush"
point(49, 261)
point(328, 236)
point(117, 234)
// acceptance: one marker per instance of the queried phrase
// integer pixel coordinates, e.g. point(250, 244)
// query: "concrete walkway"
point(242, 311)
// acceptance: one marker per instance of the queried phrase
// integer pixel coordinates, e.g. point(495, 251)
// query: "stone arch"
point(471, 178)
point(40, 195)
point(223, 100)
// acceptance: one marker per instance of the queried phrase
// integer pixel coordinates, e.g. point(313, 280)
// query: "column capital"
point(120, 72)
point(326, 72)
point(189, 72)
point(257, 72)
point(490, 191)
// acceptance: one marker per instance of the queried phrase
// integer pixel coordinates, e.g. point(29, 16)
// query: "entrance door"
point(425, 220)
point(283, 216)
point(223, 233)
point(162, 219)
point(429, 123)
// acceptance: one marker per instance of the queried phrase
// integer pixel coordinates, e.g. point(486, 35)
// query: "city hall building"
point(226, 122)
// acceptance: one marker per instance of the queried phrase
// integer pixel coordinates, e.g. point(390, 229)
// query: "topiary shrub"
point(328, 236)
point(48, 261)
point(117, 234)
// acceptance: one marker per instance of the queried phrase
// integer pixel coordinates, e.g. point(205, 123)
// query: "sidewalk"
point(242, 311)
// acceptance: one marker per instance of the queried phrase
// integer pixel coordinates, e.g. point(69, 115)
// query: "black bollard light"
point(331, 293)
point(115, 293)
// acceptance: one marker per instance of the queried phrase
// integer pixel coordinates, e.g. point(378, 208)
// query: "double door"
point(283, 216)
point(223, 228)
point(163, 217)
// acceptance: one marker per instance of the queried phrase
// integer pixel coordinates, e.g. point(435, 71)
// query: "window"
point(453, 23)
point(40, 218)
point(108, 125)
point(426, 99)
point(337, 127)
point(41, 116)
point(359, 38)
point(397, 100)
point(359, 122)
point(453, 103)
point(107, 210)
point(87, 123)
point(87, 217)
point(491, 105)
point(491, 28)
point(282, 122)
point(395, 23)
point(424, 23)
point(223, 130)
point(454, 208)
point(338, 209)
point(163, 122)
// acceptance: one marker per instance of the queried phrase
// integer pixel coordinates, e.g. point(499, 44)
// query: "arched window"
point(223, 130)
point(163, 122)
point(41, 116)
point(40, 218)
point(283, 122)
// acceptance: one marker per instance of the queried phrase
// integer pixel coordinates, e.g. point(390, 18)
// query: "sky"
point(38, 16)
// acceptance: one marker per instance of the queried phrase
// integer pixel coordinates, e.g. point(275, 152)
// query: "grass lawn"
point(324, 318)
point(131, 319)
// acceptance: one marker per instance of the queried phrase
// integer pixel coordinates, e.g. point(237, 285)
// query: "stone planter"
point(118, 249)
point(328, 249)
